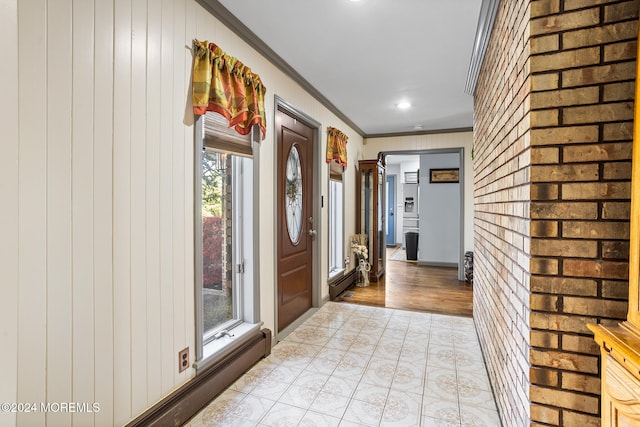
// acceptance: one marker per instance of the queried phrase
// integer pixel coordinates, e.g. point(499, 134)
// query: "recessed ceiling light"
point(403, 105)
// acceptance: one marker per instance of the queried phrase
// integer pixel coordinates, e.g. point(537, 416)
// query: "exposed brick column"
point(553, 138)
point(582, 74)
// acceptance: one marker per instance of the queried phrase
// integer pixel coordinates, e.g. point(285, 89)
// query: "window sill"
point(216, 350)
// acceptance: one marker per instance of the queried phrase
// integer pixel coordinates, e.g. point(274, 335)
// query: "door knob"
point(312, 233)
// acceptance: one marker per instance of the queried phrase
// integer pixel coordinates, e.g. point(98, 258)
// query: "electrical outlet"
point(183, 359)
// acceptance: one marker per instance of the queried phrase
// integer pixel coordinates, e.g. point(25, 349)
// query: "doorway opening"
point(431, 214)
point(423, 284)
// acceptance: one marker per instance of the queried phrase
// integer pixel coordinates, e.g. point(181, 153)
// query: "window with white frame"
point(219, 286)
point(336, 220)
point(226, 289)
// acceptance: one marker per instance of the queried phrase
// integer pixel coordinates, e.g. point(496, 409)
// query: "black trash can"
point(411, 241)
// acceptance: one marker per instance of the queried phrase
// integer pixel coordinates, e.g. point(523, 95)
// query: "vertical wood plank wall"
point(103, 208)
point(58, 172)
point(96, 200)
point(96, 206)
point(9, 209)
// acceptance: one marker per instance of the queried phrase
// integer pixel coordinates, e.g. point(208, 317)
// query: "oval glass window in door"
point(293, 194)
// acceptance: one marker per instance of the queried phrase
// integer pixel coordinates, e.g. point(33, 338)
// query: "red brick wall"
point(559, 76)
point(501, 225)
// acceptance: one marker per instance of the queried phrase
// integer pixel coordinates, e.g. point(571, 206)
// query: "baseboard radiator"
point(337, 287)
point(181, 405)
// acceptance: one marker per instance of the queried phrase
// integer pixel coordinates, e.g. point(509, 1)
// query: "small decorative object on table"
point(362, 255)
point(363, 273)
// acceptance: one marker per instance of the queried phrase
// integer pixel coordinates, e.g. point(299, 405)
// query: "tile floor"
point(351, 365)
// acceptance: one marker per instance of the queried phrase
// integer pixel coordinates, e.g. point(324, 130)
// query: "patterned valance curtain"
point(337, 146)
point(223, 84)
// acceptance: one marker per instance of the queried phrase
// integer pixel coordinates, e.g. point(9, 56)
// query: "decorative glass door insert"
point(293, 200)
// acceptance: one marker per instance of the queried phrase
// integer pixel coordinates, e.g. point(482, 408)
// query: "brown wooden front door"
point(295, 232)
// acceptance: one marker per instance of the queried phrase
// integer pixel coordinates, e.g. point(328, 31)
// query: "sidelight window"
point(336, 220)
point(219, 284)
point(226, 289)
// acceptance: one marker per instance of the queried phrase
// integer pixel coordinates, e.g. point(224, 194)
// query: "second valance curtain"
point(337, 146)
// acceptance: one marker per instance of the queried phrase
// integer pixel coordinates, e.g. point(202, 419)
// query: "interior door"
point(391, 205)
point(296, 229)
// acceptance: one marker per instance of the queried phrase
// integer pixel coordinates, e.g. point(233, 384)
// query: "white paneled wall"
point(9, 209)
point(96, 205)
point(96, 197)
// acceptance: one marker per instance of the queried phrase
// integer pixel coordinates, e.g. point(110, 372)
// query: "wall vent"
point(411, 177)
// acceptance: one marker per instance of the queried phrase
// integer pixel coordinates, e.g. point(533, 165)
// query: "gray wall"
point(439, 240)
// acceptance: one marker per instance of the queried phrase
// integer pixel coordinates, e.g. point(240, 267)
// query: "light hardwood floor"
point(409, 286)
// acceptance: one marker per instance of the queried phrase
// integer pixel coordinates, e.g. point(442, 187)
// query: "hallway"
point(409, 286)
point(356, 365)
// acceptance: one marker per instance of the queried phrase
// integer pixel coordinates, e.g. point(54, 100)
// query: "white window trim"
point(248, 297)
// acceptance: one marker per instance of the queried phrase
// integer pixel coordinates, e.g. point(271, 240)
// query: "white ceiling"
point(366, 56)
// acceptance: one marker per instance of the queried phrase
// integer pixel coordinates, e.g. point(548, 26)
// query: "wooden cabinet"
point(620, 350)
point(620, 344)
point(370, 210)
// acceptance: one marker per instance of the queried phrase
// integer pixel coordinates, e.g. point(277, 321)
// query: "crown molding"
point(236, 26)
point(488, 11)
point(421, 132)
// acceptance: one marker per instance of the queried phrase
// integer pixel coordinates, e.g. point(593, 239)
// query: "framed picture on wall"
point(444, 176)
